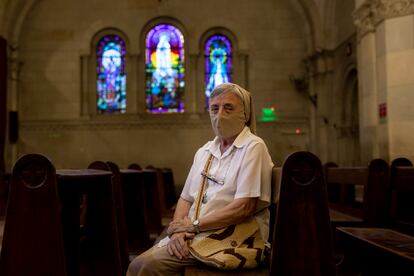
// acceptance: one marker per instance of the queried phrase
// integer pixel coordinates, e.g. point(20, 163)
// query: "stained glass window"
point(218, 62)
point(111, 77)
point(164, 76)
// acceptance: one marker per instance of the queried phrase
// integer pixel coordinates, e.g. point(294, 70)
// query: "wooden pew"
point(388, 250)
point(98, 253)
point(4, 191)
point(162, 194)
point(119, 209)
point(33, 237)
point(169, 186)
point(165, 193)
point(42, 230)
point(402, 197)
point(343, 182)
point(302, 241)
point(302, 237)
point(154, 199)
point(137, 213)
point(156, 214)
point(134, 166)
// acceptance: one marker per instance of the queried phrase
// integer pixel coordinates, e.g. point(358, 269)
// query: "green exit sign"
point(268, 115)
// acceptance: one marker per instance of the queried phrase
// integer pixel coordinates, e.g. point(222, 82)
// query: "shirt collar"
point(243, 138)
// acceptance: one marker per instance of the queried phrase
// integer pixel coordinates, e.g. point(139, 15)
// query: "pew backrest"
point(33, 237)
point(373, 182)
point(119, 209)
point(343, 183)
point(134, 166)
point(169, 186)
point(275, 190)
point(137, 214)
point(402, 203)
point(377, 194)
point(155, 199)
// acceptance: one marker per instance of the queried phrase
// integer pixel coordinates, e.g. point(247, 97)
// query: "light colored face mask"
point(227, 124)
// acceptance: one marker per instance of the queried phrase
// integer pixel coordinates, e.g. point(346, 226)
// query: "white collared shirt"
point(243, 170)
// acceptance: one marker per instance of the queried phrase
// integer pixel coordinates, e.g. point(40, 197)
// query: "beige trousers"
point(157, 261)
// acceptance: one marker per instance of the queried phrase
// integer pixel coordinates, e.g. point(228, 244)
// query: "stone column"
point(386, 78)
point(192, 91)
point(320, 76)
point(132, 88)
point(85, 105)
point(13, 102)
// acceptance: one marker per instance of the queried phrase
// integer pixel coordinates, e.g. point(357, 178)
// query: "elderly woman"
point(228, 186)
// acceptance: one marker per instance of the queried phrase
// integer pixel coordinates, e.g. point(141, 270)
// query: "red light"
point(297, 131)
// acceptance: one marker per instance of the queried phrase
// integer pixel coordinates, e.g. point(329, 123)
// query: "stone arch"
point(348, 136)
point(166, 20)
point(349, 114)
point(109, 30)
point(310, 14)
point(14, 16)
point(228, 33)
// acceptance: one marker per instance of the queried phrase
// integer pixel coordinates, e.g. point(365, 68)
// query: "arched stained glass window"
point(218, 62)
point(111, 77)
point(164, 76)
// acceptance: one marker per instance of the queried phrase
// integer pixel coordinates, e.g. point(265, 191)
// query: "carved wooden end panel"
point(33, 242)
point(302, 237)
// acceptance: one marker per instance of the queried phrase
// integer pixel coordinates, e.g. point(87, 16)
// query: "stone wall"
point(271, 39)
point(386, 73)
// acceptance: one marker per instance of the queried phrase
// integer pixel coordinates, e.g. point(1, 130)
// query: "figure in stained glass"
point(164, 69)
point(218, 63)
point(111, 77)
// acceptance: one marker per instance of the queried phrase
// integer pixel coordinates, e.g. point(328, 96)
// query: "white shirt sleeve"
point(255, 173)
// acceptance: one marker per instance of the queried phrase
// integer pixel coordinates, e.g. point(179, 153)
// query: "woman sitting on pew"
point(222, 213)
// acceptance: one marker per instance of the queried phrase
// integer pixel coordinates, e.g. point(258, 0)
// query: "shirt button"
point(233, 243)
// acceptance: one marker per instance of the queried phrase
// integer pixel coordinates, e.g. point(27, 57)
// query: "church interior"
point(129, 82)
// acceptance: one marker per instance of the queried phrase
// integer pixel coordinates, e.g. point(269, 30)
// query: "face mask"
point(227, 125)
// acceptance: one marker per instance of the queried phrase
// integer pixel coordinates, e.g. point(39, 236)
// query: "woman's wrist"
point(196, 226)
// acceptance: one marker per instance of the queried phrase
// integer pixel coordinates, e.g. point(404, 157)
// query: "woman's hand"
point(181, 225)
point(177, 246)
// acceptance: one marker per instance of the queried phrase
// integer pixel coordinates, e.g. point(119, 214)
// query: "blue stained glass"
point(218, 62)
point(164, 66)
point(111, 77)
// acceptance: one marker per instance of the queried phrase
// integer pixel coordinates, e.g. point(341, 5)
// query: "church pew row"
point(146, 193)
point(301, 239)
point(4, 190)
point(142, 195)
point(119, 209)
point(139, 196)
point(344, 182)
point(388, 250)
point(134, 166)
point(42, 233)
point(137, 211)
point(35, 171)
